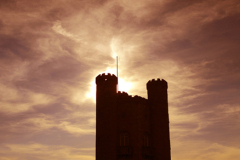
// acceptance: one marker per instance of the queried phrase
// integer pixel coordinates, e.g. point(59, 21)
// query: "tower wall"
point(106, 117)
point(159, 119)
point(133, 118)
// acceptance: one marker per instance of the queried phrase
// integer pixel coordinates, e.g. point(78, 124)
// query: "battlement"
point(123, 96)
point(139, 99)
point(157, 84)
point(106, 78)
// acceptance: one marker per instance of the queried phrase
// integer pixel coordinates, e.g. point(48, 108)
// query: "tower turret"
point(159, 119)
point(106, 116)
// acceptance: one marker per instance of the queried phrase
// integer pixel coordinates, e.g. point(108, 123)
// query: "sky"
point(51, 51)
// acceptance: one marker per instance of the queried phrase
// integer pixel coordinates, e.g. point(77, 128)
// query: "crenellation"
point(122, 93)
point(103, 78)
point(139, 99)
point(123, 97)
point(157, 84)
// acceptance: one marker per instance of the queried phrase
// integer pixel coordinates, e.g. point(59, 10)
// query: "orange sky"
point(51, 51)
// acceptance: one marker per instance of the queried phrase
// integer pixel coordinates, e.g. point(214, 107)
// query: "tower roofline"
point(101, 78)
point(125, 96)
point(157, 84)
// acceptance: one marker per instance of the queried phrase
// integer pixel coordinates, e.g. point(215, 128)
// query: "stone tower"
point(106, 128)
point(158, 105)
point(131, 127)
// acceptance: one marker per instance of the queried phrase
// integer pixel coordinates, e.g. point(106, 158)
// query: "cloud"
point(41, 152)
point(57, 27)
point(203, 150)
point(51, 52)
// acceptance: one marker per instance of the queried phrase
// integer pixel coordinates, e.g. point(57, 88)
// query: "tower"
point(106, 120)
point(159, 119)
point(131, 127)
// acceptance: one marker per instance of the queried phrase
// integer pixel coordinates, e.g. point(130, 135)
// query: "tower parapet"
point(123, 97)
point(106, 78)
point(138, 99)
point(157, 84)
point(123, 94)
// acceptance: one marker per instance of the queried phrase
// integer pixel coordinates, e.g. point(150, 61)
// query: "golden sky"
point(51, 51)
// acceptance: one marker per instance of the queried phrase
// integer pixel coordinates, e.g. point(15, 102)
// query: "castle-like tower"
point(131, 127)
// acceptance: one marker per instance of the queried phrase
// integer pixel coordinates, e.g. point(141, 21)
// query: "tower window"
point(145, 141)
point(124, 139)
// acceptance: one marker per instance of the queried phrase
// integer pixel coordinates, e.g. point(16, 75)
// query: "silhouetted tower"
point(159, 119)
point(131, 127)
point(106, 119)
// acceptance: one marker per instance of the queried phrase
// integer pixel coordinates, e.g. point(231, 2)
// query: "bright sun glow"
point(122, 85)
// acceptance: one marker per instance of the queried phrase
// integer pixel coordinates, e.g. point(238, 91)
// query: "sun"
point(123, 85)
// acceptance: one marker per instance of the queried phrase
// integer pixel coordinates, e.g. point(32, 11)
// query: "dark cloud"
point(8, 4)
point(15, 47)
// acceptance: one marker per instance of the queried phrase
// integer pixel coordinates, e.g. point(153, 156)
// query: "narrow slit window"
point(124, 139)
point(145, 141)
